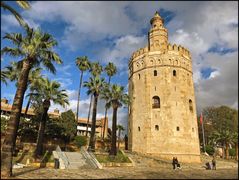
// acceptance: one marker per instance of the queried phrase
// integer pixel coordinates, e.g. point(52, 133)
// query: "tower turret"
point(158, 34)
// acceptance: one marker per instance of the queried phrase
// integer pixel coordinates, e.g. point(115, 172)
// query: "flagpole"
point(204, 148)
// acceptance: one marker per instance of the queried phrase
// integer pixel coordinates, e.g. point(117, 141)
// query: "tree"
point(49, 91)
point(117, 98)
point(23, 4)
point(222, 122)
point(95, 86)
point(95, 69)
point(68, 123)
point(35, 48)
point(83, 64)
point(13, 72)
point(110, 71)
point(235, 141)
point(119, 128)
point(224, 138)
point(3, 77)
point(35, 79)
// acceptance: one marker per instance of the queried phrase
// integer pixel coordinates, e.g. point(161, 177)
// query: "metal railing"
point(91, 159)
point(62, 156)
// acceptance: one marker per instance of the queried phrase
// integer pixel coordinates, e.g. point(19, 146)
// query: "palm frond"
point(24, 4)
point(14, 12)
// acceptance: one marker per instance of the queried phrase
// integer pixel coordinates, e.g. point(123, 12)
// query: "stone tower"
point(162, 113)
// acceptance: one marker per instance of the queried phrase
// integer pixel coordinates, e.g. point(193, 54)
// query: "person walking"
point(174, 163)
point(177, 163)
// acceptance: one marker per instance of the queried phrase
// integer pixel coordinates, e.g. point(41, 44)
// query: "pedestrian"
point(214, 163)
point(174, 163)
point(177, 163)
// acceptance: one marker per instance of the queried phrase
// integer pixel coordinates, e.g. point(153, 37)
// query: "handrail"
point(91, 158)
point(62, 156)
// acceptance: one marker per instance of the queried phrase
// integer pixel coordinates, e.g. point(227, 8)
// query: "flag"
point(201, 118)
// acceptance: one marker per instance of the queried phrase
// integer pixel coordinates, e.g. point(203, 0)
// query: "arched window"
point(139, 76)
point(156, 102)
point(156, 127)
point(155, 73)
point(174, 72)
point(190, 105)
point(138, 128)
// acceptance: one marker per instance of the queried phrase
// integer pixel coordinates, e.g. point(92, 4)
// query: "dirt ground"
point(145, 168)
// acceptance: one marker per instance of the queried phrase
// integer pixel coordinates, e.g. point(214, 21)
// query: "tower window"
point(192, 129)
point(156, 102)
point(156, 127)
point(139, 76)
point(174, 72)
point(190, 105)
point(155, 73)
point(138, 128)
point(155, 88)
point(177, 128)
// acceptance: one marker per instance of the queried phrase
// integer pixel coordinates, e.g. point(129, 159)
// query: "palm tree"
point(110, 70)
point(224, 138)
point(83, 64)
point(49, 91)
point(3, 77)
point(95, 86)
point(95, 69)
point(35, 48)
point(35, 79)
point(116, 99)
point(88, 118)
point(119, 128)
point(23, 4)
point(13, 71)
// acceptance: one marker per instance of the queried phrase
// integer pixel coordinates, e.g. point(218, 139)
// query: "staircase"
point(76, 160)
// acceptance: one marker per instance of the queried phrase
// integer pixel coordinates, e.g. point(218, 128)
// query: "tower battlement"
point(175, 49)
point(182, 51)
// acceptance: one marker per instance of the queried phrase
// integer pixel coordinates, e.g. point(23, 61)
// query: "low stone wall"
point(48, 165)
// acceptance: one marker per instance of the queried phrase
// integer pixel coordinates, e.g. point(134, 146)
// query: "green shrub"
point(209, 149)
point(232, 152)
point(80, 141)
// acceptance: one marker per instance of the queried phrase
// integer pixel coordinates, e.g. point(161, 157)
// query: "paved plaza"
point(145, 168)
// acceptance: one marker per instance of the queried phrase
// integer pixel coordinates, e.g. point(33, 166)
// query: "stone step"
point(76, 160)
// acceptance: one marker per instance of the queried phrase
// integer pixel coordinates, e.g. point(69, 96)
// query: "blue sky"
point(111, 31)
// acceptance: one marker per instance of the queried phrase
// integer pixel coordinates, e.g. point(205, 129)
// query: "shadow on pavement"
point(26, 171)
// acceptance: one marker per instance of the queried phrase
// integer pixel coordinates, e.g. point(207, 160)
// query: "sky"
point(112, 31)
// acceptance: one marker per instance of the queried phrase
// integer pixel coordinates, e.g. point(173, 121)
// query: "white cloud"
point(93, 22)
point(9, 23)
point(221, 88)
point(65, 70)
point(65, 82)
point(214, 74)
point(123, 47)
point(197, 25)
